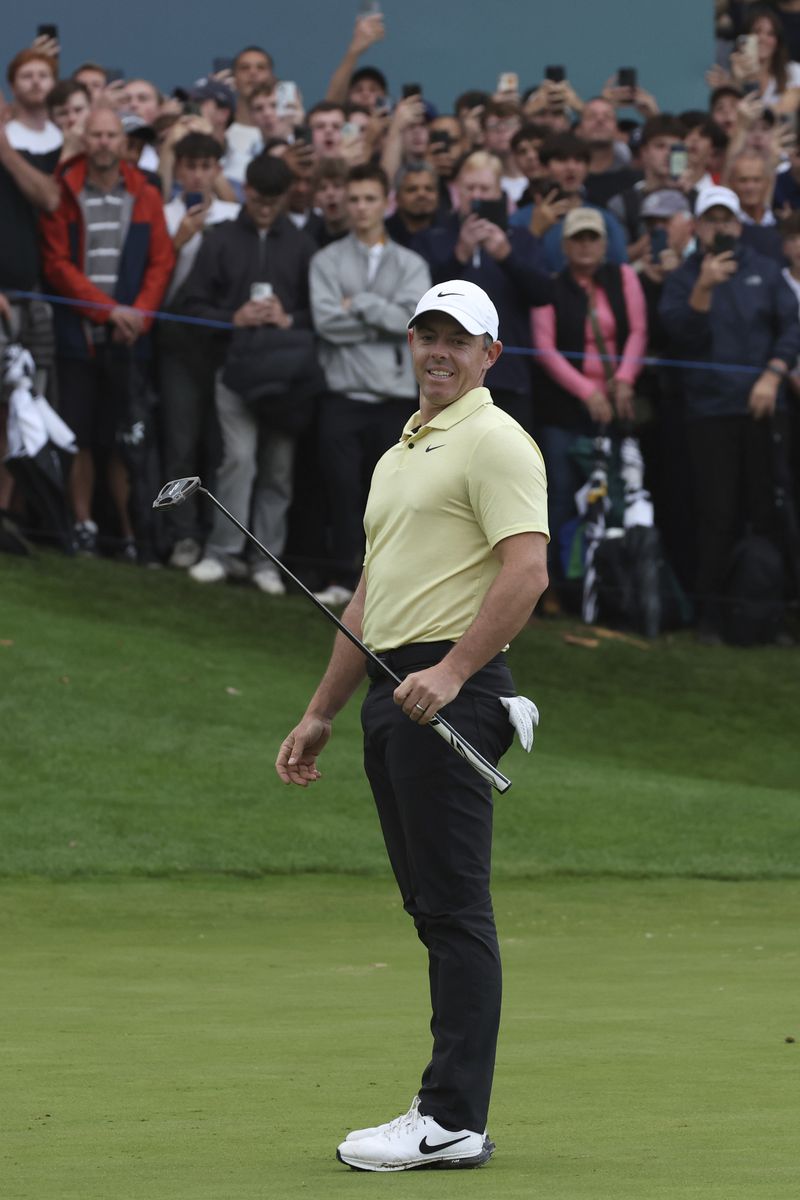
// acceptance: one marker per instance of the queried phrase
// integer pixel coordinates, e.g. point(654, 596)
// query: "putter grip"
point(496, 778)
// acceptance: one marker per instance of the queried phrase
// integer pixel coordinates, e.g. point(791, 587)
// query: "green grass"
point(173, 1032)
point(206, 1039)
point(142, 714)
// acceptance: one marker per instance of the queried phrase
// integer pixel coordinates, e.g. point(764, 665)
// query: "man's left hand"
point(423, 693)
point(763, 395)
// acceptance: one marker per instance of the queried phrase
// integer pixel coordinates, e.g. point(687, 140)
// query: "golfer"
point(456, 532)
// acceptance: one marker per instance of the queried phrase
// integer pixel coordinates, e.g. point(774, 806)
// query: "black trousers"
point(436, 815)
point(732, 474)
point(353, 435)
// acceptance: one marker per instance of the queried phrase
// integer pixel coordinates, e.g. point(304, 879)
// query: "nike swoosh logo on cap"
point(443, 294)
point(424, 1148)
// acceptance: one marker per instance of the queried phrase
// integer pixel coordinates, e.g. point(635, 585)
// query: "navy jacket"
point(753, 318)
point(515, 286)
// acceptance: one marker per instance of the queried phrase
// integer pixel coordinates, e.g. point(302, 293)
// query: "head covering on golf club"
point(465, 302)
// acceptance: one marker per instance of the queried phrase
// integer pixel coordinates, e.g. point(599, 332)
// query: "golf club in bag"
point(179, 490)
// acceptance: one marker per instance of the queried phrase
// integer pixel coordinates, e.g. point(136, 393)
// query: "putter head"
point(176, 492)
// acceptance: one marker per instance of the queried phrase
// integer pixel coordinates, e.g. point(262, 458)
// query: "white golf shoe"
point(414, 1142)
point(356, 1135)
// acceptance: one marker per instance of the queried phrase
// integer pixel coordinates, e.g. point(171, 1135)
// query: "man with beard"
point(107, 246)
point(417, 197)
point(252, 68)
point(609, 172)
point(26, 188)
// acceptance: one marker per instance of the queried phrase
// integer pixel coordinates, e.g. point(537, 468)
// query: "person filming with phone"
point(477, 244)
point(728, 305)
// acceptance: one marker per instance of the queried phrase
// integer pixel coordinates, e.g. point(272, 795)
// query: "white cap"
point(717, 197)
point(463, 301)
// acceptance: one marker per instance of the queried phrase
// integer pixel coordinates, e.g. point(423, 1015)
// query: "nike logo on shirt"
point(424, 1148)
point(439, 447)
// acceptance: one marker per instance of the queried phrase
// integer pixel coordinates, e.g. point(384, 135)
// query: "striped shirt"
point(106, 217)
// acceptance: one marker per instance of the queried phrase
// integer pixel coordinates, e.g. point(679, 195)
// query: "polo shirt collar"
point(447, 417)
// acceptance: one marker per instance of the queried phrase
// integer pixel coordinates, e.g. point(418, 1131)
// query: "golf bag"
point(39, 448)
point(616, 549)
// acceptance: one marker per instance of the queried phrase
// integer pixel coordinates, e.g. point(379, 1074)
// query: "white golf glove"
point(524, 716)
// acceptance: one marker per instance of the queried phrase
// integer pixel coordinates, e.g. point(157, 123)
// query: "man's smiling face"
point(448, 361)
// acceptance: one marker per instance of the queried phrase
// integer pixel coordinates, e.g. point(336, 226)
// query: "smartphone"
point(114, 74)
point(723, 242)
point(626, 77)
point(302, 134)
point(555, 74)
point(350, 130)
point(192, 199)
point(750, 87)
point(495, 211)
point(678, 160)
point(508, 82)
point(411, 89)
point(50, 31)
point(260, 291)
point(748, 44)
point(286, 97)
point(441, 137)
point(370, 8)
point(221, 64)
point(658, 242)
point(546, 187)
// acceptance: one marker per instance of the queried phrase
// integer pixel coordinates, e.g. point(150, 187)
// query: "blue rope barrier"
point(530, 352)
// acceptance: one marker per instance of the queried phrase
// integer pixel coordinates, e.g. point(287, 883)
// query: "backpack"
point(753, 613)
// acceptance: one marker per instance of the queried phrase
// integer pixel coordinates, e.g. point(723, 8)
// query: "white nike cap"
point(465, 302)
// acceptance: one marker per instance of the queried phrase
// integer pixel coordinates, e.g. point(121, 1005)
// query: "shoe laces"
point(405, 1123)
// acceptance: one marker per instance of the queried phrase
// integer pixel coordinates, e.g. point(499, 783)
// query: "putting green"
point(183, 1040)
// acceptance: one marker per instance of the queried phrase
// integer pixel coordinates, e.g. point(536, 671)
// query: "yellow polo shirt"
point(440, 500)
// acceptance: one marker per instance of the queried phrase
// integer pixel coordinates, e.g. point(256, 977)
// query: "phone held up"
point(658, 243)
point(495, 211)
point(286, 97)
point(678, 160)
point(722, 243)
point(221, 64)
point(261, 291)
point(48, 31)
point(626, 78)
point(508, 82)
point(411, 89)
point(192, 199)
point(555, 74)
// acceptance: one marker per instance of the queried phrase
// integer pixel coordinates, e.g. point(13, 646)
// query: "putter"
point(178, 490)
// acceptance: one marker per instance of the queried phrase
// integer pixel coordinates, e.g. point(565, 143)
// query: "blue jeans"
point(564, 478)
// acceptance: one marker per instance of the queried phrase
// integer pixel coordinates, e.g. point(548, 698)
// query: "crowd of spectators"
point(199, 248)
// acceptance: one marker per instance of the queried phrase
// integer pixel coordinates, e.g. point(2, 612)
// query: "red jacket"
point(145, 264)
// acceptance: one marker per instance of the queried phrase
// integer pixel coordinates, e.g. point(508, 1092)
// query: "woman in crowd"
point(599, 312)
